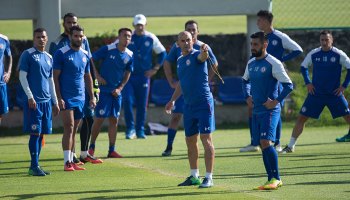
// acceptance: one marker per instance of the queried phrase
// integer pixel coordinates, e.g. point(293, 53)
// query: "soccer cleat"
point(167, 152)
point(250, 148)
point(36, 171)
point(114, 154)
point(77, 161)
point(141, 134)
point(273, 184)
point(287, 149)
point(77, 167)
point(91, 152)
point(90, 159)
point(278, 148)
point(130, 134)
point(190, 181)
point(46, 172)
point(345, 138)
point(207, 183)
point(68, 167)
point(262, 187)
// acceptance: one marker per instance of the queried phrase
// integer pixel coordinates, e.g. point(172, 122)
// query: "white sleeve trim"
point(287, 42)
point(278, 70)
point(24, 83)
point(52, 91)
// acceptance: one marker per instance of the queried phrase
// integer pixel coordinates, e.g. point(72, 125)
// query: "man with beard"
point(263, 73)
point(71, 67)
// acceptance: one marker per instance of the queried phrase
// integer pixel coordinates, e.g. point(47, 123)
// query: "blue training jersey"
point(175, 53)
point(264, 75)
point(193, 76)
point(73, 65)
point(4, 51)
point(327, 68)
point(278, 43)
point(143, 47)
point(63, 40)
point(38, 66)
point(113, 66)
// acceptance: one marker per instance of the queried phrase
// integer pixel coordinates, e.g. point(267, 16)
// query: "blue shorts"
point(108, 106)
point(77, 108)
point(179, 105)
point(4, 107)
point(313, 106)
point(264, 126)
point(199, 118)
point(38, 120)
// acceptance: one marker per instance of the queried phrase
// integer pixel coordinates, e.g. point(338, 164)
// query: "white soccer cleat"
point(250, 148)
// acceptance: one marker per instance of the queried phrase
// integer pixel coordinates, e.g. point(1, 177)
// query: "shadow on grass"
point(123, 196)
point(323, 183)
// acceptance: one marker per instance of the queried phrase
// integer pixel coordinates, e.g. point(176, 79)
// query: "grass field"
point(319, 169)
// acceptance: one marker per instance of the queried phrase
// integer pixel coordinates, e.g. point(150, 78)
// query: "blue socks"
point(270, 158)
point(278, 132)
point(34, 150)
point(250, 130)
point(171, 136)
point(111, 148)
point(92, 146)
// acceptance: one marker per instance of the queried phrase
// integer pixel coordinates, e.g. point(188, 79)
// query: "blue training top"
point(73, 65)
point(193, 76)
point(38, 66)
point(4, 50)
point(113, 66)
point(264, 75)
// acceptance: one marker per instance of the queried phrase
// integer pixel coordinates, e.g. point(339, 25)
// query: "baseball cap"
point(140, 19)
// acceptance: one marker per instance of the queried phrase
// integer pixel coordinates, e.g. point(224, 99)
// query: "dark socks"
point(34, 150)
point(85, 132)
point(171, 137)
point(272, 159)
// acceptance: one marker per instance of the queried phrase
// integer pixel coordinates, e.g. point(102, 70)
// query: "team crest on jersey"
point(333, 59)
point(84, 59)
point(303, 109)
point(2, 46)
point(147, 43)
point(126, 60)
point(34, 127)
point(188, 62)
point(263, 69)
point(274, 42)
point(102, 112)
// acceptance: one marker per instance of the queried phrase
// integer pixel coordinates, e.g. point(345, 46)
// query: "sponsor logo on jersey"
point(145, 85)
point(318, 59)
point(263, 134)
point(207, 128)
point(36, 57)
point(70, 58)
point(112, 57)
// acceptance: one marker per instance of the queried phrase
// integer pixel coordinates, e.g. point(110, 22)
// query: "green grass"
point(319, 169)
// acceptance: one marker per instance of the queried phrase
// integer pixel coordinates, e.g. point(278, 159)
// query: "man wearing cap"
point(135, 92)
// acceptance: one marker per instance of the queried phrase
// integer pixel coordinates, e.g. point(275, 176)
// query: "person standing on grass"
point(264, 73)
point(174, 53)
point(282, 47)
point(115, 71)
point(36, 79)
point(325, 88)
point(71, 73)
point(70, 20)
point(143, 43)
point(5, 62)
point(199, 119)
